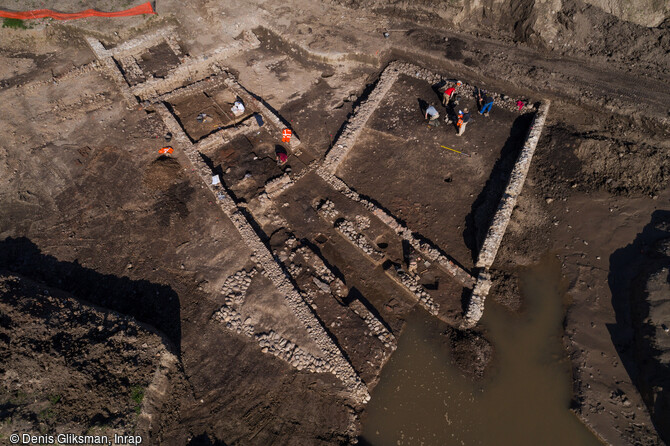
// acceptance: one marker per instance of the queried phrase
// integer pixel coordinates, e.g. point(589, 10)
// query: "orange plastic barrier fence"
point(144, 8)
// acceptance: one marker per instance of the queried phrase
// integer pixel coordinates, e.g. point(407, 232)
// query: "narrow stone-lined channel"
point(423, 399)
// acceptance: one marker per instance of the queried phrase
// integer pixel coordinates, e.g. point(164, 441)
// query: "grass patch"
point(14, 23)
point(137, 395)
point(46, 415)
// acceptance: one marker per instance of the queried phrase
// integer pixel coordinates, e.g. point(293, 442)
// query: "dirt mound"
point(71, 367)
point(626, 32)
point(622, 167)
point(162, 173)
point(505, 290)
point(472, 353)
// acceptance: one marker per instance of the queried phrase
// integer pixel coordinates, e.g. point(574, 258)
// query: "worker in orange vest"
point(286, 135)
point(463, 119)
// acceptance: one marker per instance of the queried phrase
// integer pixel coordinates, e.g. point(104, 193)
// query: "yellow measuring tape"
point(454, 150)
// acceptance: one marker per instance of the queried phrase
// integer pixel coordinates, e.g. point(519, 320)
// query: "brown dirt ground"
point(399, 162)
point(81, 182)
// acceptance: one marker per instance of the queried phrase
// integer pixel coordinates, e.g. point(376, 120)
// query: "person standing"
point(488, 103)
point(463, 119)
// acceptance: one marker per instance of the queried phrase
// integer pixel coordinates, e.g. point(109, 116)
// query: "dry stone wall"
point(326, 209)
point(377, 329)
point(111, 69)
point(234, 289)
point(269, 266)
point(345, 142)
point(196, 68)
point(326, 281)
point(494, 236)
point(273, 118)
point(501, 218)
point(137, 46)
point(429, 252)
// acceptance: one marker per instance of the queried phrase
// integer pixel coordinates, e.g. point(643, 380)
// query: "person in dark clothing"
point(463, 119)
point(487, 103)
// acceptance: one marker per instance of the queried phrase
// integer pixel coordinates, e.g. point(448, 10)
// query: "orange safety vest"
point(460, 121)
point(165, 150)
point(286, 135)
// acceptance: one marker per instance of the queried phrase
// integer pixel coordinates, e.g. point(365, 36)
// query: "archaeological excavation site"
point(330, 223)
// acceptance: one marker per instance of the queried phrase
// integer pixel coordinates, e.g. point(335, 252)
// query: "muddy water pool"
point(423, 399)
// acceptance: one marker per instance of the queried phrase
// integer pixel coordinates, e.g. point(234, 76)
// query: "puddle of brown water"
point(422, 399)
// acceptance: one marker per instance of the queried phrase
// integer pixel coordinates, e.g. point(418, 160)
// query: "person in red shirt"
point(448, 95)
point(282, 156)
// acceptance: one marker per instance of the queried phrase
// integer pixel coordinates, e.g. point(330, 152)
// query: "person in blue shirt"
point(431, 115)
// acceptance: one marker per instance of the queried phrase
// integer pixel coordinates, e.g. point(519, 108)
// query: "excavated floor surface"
point(83, 186)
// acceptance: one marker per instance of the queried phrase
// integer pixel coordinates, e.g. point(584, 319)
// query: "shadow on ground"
point(638, 279)
point(150, 303)
point(484, 207)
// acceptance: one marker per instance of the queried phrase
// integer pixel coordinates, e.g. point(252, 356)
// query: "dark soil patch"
point(71, 366)
point(173, 203)
point(472, 353)
point(158, 60)
point(400, 163)
point(204, 113)
point(162, 173)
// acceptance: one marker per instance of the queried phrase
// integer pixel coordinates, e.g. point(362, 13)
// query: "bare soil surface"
point(69, 366)
point(94, 215)
point(400, 162)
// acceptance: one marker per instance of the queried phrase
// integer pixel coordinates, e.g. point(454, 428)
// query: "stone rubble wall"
point(195, 68)
point(429, 252)
point(496, 231)
point(71, 74)
point(234, 289)
point(275, 187)
point(131, 69)
point(411, 282)
point(293, 354)
point(111, 69)
point(377, 329)
point(349, 231)
point(194, 88)
point(270, 267)
point(326, 209)
point(223, 136)
point(274, 119)
point(475, 309)
point(329, 284)
point(137, 46)
point(517, 178)
point(347, 138)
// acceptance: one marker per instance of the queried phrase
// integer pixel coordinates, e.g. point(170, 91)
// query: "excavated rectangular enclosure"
point(158, 60)
point(398, 161)
point(247, 163)
point(153, 62)
point(369, 279)
point(215, 103)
